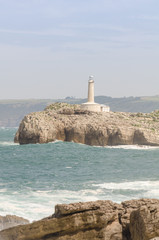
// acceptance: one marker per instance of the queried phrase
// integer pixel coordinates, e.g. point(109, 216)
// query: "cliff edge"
point(61, 121)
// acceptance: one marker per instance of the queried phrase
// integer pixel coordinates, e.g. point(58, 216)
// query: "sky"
point(48, 48)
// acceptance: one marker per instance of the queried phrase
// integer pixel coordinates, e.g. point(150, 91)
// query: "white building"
point(91, 105)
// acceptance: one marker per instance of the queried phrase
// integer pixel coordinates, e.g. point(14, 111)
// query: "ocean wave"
point(131, 147)
point(56, 141)
point(3, 190)
point(34, 205)
point(136, 185)
point(8, 128)
point(8, 143)
point(127, 147)
point(123, 191)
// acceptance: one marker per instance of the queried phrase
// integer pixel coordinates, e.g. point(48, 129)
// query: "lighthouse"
point(90, 105)
point(91, 90)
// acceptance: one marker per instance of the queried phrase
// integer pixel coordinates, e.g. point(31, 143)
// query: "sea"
point(36, 177)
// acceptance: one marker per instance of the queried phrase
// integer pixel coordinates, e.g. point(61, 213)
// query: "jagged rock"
point(69, 123)
point(144, 222)
point(93, 220)
point(131, 207)
point(100, 220)
point(11, 221)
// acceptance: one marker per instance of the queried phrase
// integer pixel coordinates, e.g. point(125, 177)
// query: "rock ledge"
point(103, 220)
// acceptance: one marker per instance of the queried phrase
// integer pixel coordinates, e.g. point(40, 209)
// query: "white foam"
point(3, 190)
point(154, 193)
point(56, 141)
point(135, 147)
point(8, 143)
point(136, 185)
point(8, 128)
point(35, 205)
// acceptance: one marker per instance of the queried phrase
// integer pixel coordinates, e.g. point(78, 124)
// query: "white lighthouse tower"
point(91, 90)
point(90, 105)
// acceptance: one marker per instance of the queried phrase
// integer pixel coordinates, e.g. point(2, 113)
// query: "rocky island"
point(66, 122)
point(99, 220)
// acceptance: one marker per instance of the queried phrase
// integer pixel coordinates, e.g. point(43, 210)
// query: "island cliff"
point(100, 220)
point(61, 121)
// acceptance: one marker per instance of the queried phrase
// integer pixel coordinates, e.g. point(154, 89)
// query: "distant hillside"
point(12, 111)
point(131, 104)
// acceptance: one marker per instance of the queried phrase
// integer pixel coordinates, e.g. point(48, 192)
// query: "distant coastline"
point(12, 111)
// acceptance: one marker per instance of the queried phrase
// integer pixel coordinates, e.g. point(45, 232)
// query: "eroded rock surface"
point(69, 123)
point(100, 220)
point(144, 222)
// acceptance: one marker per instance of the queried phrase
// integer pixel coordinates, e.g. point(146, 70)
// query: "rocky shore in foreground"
point(61, 121)
point(99, 220)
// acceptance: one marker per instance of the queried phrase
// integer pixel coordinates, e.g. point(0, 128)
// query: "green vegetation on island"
point(13, 111)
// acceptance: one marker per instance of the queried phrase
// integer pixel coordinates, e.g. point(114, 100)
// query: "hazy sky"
point(48, 48)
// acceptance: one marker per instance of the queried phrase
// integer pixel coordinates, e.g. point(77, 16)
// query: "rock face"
point(100, 220)
point(144, 222)
point(69, 123)
point(11, 221)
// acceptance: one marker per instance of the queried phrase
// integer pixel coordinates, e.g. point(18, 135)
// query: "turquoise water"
point(33, 178)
